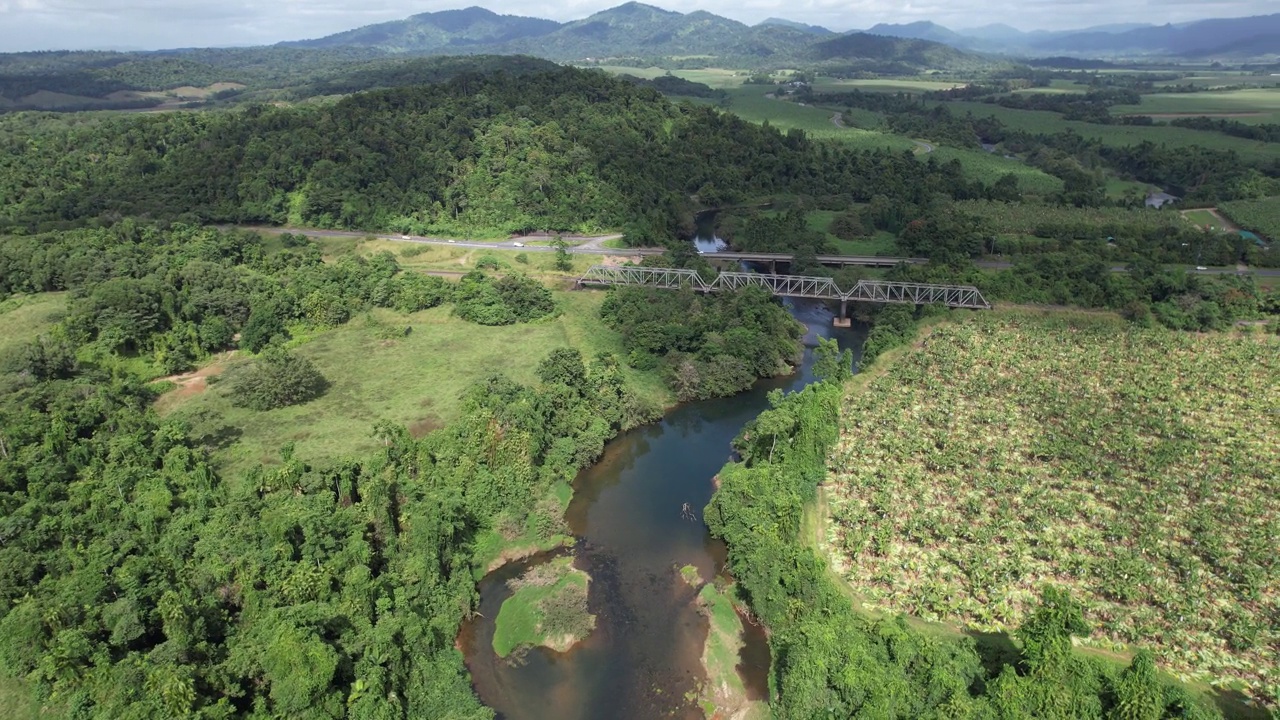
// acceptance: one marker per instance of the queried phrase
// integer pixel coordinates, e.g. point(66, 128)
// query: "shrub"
point(514, 298)
point(276, 379)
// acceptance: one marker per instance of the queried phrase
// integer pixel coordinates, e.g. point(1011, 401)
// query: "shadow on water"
point(628, 513)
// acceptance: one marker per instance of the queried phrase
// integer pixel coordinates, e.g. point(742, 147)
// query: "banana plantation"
point(1139, 468)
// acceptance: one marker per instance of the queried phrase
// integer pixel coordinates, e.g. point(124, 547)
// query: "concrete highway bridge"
point(820, 288)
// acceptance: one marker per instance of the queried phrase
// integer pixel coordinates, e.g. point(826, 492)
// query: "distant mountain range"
point(636, 30)
point(1228, 38)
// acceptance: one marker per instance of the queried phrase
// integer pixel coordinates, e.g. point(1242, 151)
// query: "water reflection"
point(644, 658)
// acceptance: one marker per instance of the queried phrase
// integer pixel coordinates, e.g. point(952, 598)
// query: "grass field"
point(416, 379)
point(548, 607)
point(24, 317)
point(19, 704)
point(713, 77)
point(749, 103)
point(891, 85)
point(1251, 105)
point(1204, 219)
point(1139, 468)
point(444, 258)
point(1043, 121)
point(1057, 86)
point(989, 167)
point(882, 243)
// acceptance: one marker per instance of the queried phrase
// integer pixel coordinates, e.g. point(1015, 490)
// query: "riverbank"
point(636, 517)
point(817, 632)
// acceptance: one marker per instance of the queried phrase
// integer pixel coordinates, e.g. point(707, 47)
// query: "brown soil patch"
point(191, 384)
point(612, 260)
point(424, 426)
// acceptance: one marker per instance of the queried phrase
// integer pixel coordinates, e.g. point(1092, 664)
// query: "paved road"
point(594, 245)
point(587, 245)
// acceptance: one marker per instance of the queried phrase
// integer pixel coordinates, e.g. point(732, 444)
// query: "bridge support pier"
point(842, 320)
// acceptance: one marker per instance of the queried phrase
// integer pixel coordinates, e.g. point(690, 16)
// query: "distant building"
point(1160, 199)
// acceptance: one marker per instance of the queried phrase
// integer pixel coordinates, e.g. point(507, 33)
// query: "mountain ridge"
point(638, 30)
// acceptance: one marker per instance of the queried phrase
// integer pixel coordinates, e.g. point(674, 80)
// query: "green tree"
point(275, 379)
point(563, 262)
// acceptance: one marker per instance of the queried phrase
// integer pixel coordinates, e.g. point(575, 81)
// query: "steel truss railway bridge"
point(821, 288)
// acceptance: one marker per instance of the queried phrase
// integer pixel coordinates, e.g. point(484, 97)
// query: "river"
point(643, 660)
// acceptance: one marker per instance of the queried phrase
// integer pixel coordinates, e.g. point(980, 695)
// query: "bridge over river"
point(821, 288)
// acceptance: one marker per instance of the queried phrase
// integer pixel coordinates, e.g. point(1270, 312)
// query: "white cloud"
point(52, 24)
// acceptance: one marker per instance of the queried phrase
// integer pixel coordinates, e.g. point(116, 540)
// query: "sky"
point(155, 24)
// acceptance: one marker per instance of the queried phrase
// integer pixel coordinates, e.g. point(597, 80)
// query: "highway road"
point(594, 245)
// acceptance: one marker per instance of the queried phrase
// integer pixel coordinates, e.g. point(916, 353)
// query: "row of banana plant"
point(1138, 467)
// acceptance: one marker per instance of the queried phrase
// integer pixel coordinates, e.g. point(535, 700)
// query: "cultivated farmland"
point(1138, 468)
point(1049, 220)
point(1260, 216)
point(1045, 122)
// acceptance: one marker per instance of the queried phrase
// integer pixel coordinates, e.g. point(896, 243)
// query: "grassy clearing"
point(882, 243)
point(24, 318)
point(890, 85)
point(749, 103)
point(416, 379)
point(1205, 219)
point(1058, 86)
point(18, 702)
point(548, 607)
point(1117, 188)
point(989, 167)
point(713, 77)
point(1137, 467)
point(1043, 121)
point(461, 259)
point(724, 695)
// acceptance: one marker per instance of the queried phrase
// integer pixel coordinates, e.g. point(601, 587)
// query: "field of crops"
point(1251, 105)
point(989, 167)
point(1025, 218)
point(893, 85)
point(1045, 122)
point(749, 103)
point(1138, 468)
point(1260, 216)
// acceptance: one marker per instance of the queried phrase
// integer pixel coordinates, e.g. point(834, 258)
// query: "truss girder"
point(876, 291)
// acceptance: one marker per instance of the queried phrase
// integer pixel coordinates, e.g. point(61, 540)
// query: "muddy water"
point(637, 514)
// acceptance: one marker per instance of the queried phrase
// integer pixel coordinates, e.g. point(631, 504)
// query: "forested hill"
point(561, 150)
point(447, 30)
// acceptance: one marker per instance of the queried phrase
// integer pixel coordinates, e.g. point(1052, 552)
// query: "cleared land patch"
point(410, 369)
point(990, 167)
point(24, 318)
point(1139, 468)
